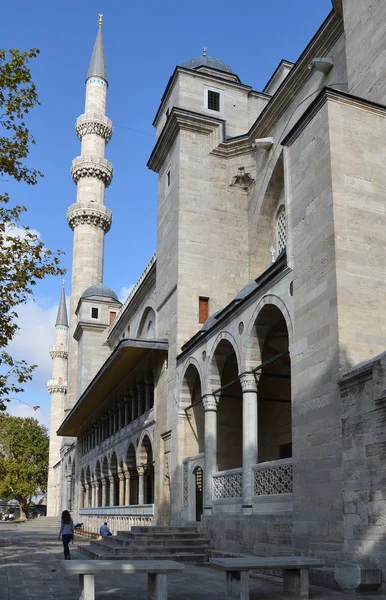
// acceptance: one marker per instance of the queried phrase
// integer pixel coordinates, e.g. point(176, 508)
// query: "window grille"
point(281, 232)
point(94, 313)
point(213, 100)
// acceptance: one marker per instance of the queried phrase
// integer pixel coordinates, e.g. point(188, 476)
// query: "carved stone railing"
point(91, 214)
point(89, 123)
point(58, 351)
point(55, 386)
point(119, 518)
point(228, 484)
point(92, 166)
point(272, 478)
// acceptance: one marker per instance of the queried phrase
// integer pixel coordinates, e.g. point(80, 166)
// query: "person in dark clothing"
point(67, 533)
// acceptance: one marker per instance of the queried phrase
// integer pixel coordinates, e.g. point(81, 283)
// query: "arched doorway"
point(198, 476)
point(132, 468)
point(114, 495)
point(224, 374)
point(194, 431)
point(146, 461)
point(274, 389)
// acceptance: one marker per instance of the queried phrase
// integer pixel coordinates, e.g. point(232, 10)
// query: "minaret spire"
point(61, 318)
point(97, 66)
point(88, 217)
point(57, 388)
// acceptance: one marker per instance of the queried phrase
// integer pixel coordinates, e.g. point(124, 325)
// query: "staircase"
point(183, 544)
point(43, 523)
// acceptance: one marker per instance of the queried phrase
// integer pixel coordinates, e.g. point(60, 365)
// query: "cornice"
point(331, 95)
point(56, 387)
point(88, 326)
point(320, 45)
point(188, 120)
point(58, 351)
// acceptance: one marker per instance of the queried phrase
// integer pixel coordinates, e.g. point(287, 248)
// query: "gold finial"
point(100, 15)
point(204, 49)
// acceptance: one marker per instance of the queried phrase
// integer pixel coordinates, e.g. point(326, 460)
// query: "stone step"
point(146, 542)
point(117, 549)
point(170, 530)
point(159, 537)
point(100, 554)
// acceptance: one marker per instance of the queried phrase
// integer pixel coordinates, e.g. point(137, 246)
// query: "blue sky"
point(143, 43)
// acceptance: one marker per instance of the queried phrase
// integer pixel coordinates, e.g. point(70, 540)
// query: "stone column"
point(110, 423)
point(249, 383)
point(127, 488)
point(81, 497)
point(112, 491)
point(103, 492)
point(141, 485)
point(141, 387)
point(86, 496)
point(149, 394)
point(115, 419)
point(133, 407)
point(120, 415)
point(126, 404)
point(121, 489)
point(210, 403)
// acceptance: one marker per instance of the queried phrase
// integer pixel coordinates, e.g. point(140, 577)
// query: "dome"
point(248, 289)
point(207, 61)
point(99, 290)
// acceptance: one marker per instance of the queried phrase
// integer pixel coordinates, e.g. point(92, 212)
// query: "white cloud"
point(124, 292)
point(20, 232)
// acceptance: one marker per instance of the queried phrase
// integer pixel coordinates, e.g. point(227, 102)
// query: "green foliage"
point(23, 459)
point(23, 257)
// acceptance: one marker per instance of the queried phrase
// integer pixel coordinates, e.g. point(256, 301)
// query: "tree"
point(23, 257)
point(23, 459)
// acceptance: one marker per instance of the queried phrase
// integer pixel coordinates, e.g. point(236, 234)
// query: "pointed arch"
point(146, 328)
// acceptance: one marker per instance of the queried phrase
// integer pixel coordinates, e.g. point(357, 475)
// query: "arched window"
point(281, 232)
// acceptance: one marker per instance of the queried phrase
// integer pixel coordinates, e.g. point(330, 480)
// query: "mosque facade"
point(241, 385)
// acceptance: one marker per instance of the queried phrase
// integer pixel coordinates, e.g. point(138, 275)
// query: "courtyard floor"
point(31, 568)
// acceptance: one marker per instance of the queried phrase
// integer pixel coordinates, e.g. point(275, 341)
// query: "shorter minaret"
point(57, 387)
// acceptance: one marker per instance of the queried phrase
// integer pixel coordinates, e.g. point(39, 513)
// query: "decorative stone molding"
point(141, 471)
point(92, 166)
point(56, 387)
point(58, 351)
point(210, 402)
point(242, 179)
point(91, 214)
point(92, 123)
point(228, 484)
point(249, 382)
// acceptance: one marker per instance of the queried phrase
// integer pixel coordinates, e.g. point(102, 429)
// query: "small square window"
point(213, 100)
point(168, 178)
point(94, 313)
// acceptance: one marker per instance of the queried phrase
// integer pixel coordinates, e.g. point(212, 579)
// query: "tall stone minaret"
point(57, 387)
point(89, 218)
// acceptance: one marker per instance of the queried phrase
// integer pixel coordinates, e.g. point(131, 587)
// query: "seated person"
point(78, 526)
point(104, 530)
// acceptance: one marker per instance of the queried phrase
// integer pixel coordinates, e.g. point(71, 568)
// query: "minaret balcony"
point(58, 351)
point(57, 386)
point(92, 166)
point(89, 214)
point(92, 123)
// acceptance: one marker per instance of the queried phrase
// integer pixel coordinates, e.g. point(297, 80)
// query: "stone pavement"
point(30, 568)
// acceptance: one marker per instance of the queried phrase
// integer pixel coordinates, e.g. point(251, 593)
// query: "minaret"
point(89, 218)
point(57, 387)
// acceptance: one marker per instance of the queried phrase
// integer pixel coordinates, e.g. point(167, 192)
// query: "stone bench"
point(295, 573)
point(157, 571)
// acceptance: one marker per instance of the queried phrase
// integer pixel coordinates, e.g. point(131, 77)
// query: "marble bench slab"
point(295, 573)
point(156, 570)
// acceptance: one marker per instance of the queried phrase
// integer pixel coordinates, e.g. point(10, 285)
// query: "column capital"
point(249, 381)
point(141, 470)
point(121, 476)
point(104, 481)
point(141, 386)
point(209, 402)
point(127, 474)
point(111, 479)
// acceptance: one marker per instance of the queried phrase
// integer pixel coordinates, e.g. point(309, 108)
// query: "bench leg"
point(86, 587)
point(296, 582)
point(237, 584)
point(157, 586)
